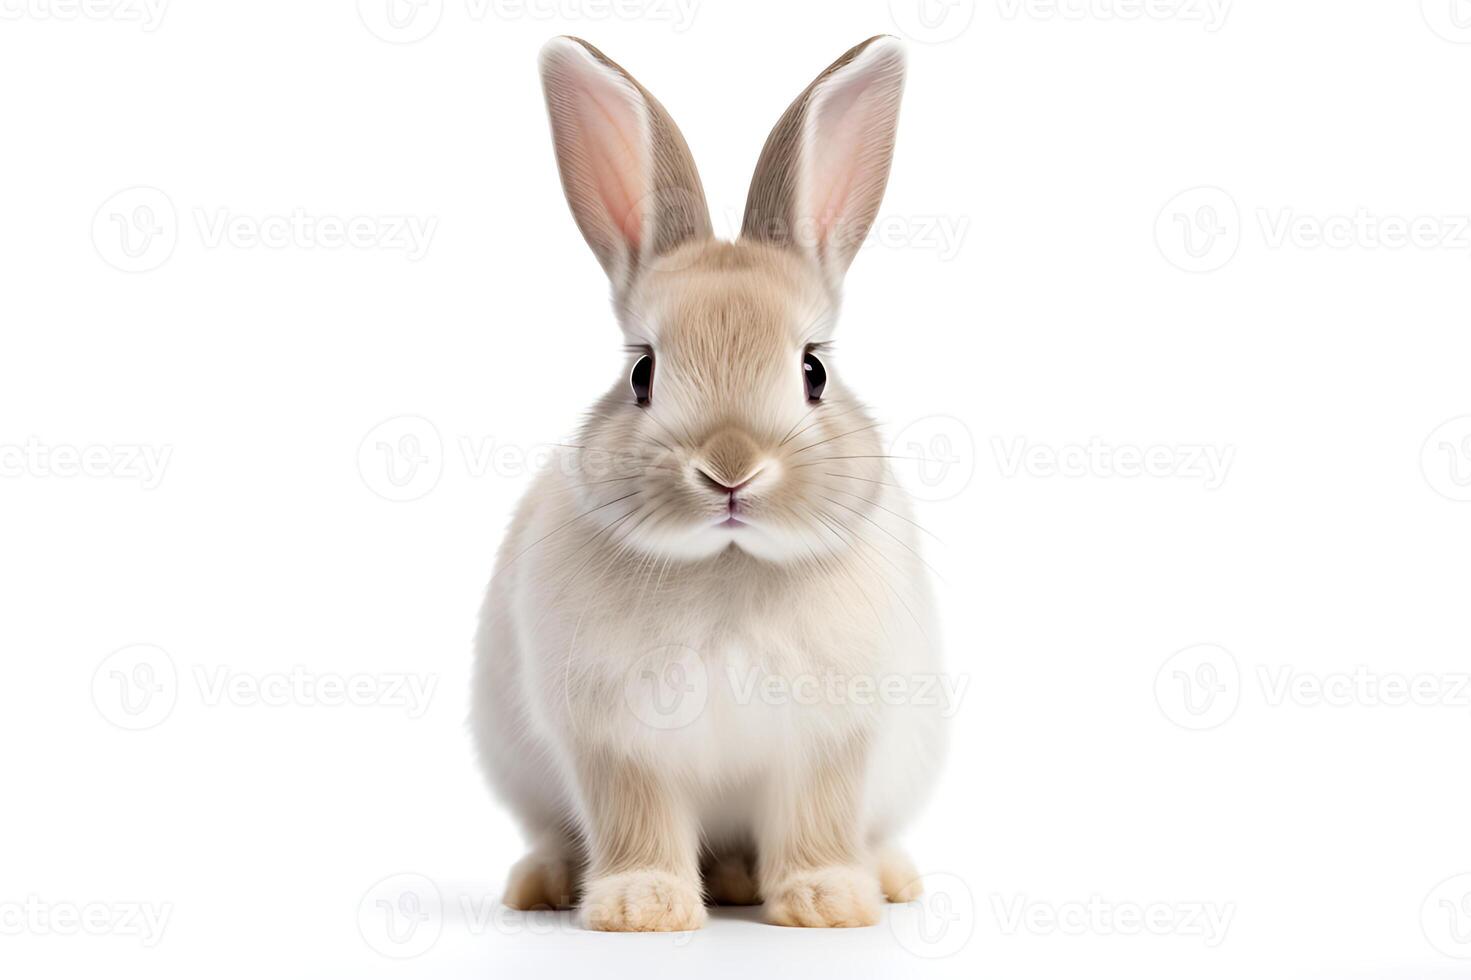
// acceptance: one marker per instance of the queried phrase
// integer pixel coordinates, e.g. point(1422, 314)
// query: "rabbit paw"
point(642, 901)
point(825, 898)
point(540, 880)
point(897, 877)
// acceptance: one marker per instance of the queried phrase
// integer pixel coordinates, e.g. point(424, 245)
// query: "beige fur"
point(624, 595)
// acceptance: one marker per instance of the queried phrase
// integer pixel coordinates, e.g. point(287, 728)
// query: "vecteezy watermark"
point(1445, 917)
point(942, 234)
point(934, 457)
point(407, 21)
point(667, 688)
point(138, 687)
point(405, 915)
point(1364, 229)
point(144, 921)
point(1096, 916)
point(300, 229)
point(754, 685)
point(1445, 459)
point(940, 922)
point(402, 459)
point(1361, 687)
point(140, 462)
point(1211, 14)
point(401, 21)
point(932, 21)
point(670, 686)
point(1206, 463)
point(401, 916)
point(1199, 230)
point(1451, 19)
point(1199, 687)
point(137, 230)
point(147, 14)
point(301, 688)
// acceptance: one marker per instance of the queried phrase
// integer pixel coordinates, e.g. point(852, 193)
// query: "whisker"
point(844, 435)
point(859, 539)
point(882, 483)
point(823, 459)
point(855, 407)
point(902, 543)
point(565, 524)
point(881, 507)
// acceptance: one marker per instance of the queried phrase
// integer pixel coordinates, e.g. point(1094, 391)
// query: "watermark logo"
point(1445, 459)
point(136, 687)
point(935, 457)
point(940, 922)
point(400, 21)
point(1199, 688)
point(667, 688)
point(1451, 19)
point(1199, 230)
point(932, 21)
point(136, 229)
point(401, 916)
point(1445, 917)
point(402, 458)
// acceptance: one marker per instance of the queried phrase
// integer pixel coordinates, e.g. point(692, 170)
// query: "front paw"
point(825, 898)
point(642, 901)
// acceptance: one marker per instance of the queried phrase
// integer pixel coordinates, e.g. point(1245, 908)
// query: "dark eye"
point(815, 375)
point(642, 378)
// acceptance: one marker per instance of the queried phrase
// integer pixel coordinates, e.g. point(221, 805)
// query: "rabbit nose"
point(720, 486)
point(728, 461)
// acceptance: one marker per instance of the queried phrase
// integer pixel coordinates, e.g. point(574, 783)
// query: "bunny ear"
point(626, 170)
point(821, 175)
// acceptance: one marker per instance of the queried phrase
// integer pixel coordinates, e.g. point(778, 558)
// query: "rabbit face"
point(732, 443)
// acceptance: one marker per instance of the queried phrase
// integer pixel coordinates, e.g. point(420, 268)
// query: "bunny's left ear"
point(627, 172)
point(821, 175)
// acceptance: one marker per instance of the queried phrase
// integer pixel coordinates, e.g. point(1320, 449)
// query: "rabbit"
point(681, 656)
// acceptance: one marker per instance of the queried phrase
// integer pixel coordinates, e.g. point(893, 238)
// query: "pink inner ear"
point(837, 154)
point(848, 142)
point(611, 140)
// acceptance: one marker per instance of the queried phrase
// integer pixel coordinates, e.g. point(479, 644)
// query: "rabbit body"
point(706, 663)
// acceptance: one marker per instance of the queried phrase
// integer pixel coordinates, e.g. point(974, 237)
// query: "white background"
point(1065, 144)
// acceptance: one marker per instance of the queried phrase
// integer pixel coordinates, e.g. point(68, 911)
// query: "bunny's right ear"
point(626, 170)
point(820, 179)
